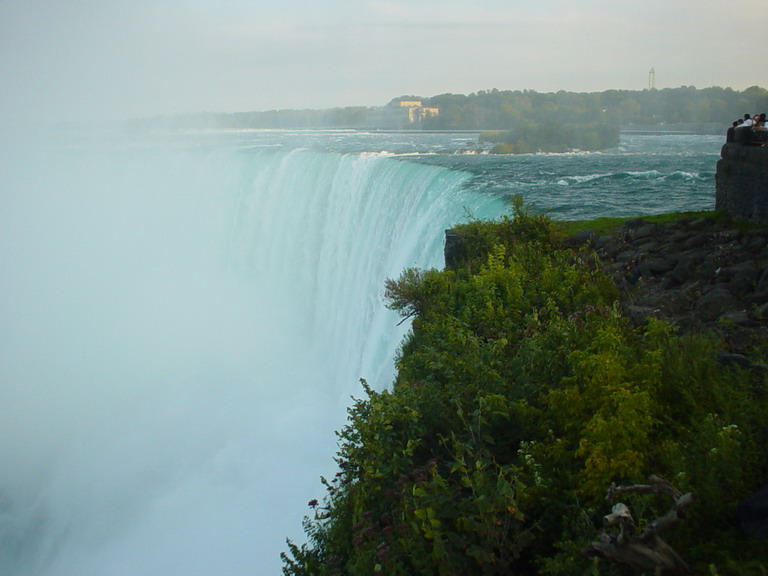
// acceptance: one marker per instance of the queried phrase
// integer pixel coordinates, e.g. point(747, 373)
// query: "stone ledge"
point(741, 182)
point(693, 273)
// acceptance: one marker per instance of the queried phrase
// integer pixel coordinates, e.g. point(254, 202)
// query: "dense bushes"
point(522, 393)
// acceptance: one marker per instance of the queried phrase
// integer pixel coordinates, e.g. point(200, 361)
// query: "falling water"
point(181, 328)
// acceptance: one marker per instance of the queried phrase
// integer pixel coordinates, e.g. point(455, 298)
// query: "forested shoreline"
point(523, 395)
point(701, 110)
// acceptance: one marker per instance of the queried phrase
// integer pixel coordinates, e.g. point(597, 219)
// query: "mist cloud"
point(111, 60)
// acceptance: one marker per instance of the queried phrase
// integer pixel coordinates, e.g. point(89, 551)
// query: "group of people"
point(750, 130)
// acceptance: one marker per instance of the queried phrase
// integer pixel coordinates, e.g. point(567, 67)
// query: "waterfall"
point(181, 329)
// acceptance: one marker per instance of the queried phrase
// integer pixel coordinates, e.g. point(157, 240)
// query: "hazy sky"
point(116, 58)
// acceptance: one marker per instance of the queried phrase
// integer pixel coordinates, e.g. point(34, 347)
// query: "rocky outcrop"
point(741, 182)
point(752, 514)
point(692, 272)
point(454, 249)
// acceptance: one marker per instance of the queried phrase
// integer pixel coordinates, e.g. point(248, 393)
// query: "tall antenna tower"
point(652, 79)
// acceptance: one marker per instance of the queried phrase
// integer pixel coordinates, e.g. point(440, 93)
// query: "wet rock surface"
point(692, 272)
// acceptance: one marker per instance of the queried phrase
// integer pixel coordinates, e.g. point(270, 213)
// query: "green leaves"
point(522, 393)
point(469, 512)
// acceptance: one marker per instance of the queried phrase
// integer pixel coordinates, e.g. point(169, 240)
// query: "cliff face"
point(742, 182)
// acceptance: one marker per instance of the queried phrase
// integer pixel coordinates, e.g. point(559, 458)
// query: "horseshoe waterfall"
point(182, 326)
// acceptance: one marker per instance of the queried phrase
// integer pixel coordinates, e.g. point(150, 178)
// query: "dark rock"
point(752, 513)
point(607, 246)
point(634, 223)
point(741, 338)
point(738, 318)
point(455, 249)
point(738, 360)
point(677, 303)
point(646, 231)
point(655, 266)
point(742, 135)
point(759, 299)
point(695, 241)
point(650, 246)
point(745, 276)
point(699, 224)
point(679, 236)
point(714, 303)
point(640, 314)
point(682, 272)
point(741, 180)
point(642, 270)
point(585, 237)
point(668, 283)
point(706, 271)
point(758, 236)
point(754, 243)
point(662, 265)
point(730, 235)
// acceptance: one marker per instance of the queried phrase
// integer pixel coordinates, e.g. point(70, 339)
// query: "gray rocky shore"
point(693, 272)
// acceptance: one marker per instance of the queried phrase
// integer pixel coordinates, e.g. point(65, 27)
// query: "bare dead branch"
point(646, 551)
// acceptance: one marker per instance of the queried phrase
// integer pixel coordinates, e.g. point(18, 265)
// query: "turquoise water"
point(185, 316)
point(645, 174)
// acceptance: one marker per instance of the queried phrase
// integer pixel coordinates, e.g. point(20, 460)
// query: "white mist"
point(181, 327)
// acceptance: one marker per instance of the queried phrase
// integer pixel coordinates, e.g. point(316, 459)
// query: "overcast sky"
point(128, 58)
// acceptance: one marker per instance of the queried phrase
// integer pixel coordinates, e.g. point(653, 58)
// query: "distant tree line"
point(705, 110)
point(507, 110)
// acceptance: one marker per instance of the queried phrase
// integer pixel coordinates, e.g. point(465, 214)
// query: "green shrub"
point(522, 393)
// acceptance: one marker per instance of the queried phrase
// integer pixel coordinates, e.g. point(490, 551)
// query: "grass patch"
point(605, 225)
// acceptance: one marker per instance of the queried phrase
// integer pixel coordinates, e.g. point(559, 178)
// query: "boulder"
point(714, 304)
point(585, 237)
point(752, 513)
point(454, 249)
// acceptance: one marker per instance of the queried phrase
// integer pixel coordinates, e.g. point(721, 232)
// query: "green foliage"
point(469, 514)
point(512, 110)
point(707, 109)
point(530, 137)
point(522, 229)
point(522, 393)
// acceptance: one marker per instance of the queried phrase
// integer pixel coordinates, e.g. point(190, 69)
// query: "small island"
point(531, 137)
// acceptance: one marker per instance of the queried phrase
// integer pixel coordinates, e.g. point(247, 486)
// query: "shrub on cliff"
point(522, 393)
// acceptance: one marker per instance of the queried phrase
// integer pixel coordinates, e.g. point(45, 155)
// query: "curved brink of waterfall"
point(181, 329)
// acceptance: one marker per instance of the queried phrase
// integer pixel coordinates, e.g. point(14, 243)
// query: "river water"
point(185, 317)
